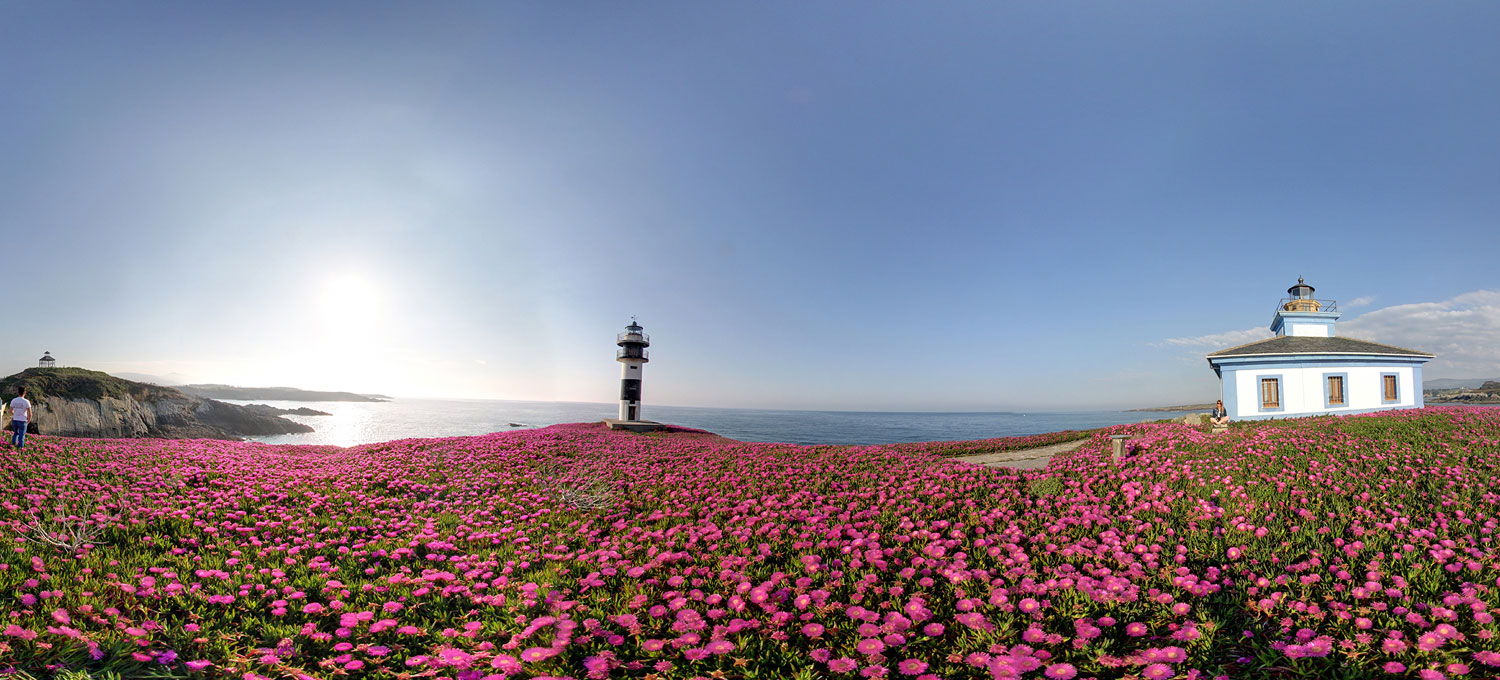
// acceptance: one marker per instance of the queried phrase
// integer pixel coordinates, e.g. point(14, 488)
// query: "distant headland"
point(212, 391)
point(1487, 392)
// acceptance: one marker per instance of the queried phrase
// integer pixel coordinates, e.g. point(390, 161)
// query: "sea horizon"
point(354, 423)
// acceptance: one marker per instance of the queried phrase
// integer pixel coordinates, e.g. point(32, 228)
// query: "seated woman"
point(1219, 416)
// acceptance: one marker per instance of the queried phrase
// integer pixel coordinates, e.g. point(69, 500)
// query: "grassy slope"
point(80, 383)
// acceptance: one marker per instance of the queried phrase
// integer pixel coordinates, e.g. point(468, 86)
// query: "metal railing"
point(1291, 304)
point(624, 354)
point(633, 337)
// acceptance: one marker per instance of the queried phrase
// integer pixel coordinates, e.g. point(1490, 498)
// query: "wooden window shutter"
point(1270, 396)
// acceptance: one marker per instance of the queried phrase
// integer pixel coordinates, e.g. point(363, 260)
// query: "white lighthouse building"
point(1307, 369)
point(632, 356)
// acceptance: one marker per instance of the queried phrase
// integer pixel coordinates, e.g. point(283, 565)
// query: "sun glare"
point(348, 303)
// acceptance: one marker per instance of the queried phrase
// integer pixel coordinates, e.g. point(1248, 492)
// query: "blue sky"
point(961, 206)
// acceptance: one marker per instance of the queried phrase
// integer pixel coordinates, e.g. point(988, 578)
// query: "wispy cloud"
point(1364, 301)
point(1464, 332)
point(1225, 339)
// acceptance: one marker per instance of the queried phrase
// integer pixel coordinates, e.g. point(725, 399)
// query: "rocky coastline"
point(75, 402)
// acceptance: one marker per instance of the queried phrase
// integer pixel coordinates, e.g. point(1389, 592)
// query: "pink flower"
point(61, 615)
point(933, 630)
point(842, 665)
point(911, 667)
point(1136, 629)
point(869, 646)
point(197, 665)
point(312, 608)
point(1061, 671)
point(535, 654)
point(812, 630)
point(1394, 667)
point(1157, 671)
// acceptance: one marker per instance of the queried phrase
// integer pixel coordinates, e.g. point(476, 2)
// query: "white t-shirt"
point(20, 409)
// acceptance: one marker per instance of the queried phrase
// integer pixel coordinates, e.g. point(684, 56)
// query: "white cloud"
point(1359, 302)
point(1218, 340)
point(1463, 332)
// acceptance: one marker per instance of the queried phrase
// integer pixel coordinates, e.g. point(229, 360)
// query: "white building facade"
point(1307, 369)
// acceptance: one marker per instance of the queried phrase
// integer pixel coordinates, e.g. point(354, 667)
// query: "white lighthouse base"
point(633, 425)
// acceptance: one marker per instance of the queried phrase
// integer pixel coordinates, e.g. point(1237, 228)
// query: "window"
point(1270, 393)
point(1335, 390)
point(1388, 381)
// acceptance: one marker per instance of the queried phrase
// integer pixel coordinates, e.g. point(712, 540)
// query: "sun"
point(348, 303)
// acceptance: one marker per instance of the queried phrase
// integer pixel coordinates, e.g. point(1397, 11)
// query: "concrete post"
point(1118, 446)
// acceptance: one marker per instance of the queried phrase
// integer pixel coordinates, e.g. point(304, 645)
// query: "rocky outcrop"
point(79, 403)
point(185, 418)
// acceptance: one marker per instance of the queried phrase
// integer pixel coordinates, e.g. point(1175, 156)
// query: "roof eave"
point(1211, 357)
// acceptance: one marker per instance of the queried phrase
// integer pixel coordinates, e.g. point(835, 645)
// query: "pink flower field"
point(1358, 547)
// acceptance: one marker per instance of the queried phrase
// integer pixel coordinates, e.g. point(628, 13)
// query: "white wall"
point(1316, 330)
point(1302, 390)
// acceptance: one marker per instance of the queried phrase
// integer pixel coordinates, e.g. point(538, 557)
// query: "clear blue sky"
point(809, 205)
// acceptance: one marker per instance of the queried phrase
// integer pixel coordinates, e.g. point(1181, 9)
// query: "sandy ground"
point(1024, 459)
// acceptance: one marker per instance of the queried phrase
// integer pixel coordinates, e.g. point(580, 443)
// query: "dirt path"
point(1025, 459)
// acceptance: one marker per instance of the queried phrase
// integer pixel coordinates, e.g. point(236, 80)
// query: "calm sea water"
point(361, 422)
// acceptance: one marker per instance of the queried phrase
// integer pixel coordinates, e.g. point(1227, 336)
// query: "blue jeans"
point(18, 438)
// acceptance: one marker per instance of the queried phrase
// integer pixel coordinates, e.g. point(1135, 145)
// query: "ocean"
point(354, 423)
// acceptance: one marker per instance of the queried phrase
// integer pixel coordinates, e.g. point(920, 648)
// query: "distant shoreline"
point(275, 394)
point(1164, 409)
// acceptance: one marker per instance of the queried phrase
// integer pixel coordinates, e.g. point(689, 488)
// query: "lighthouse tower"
point(632, 356)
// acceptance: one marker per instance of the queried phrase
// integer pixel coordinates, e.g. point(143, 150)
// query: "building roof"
point(1302, 344)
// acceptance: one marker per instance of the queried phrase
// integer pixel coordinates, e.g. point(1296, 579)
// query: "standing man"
point(20, 413)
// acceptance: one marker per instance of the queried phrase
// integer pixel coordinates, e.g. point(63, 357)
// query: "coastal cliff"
point(75, 402)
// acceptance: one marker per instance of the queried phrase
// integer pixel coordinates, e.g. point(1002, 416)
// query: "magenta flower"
point(1157, 671)
point(843, 665)
point(869, 646)
point(535, 654)
point(911, 667)
point(1061, 671)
